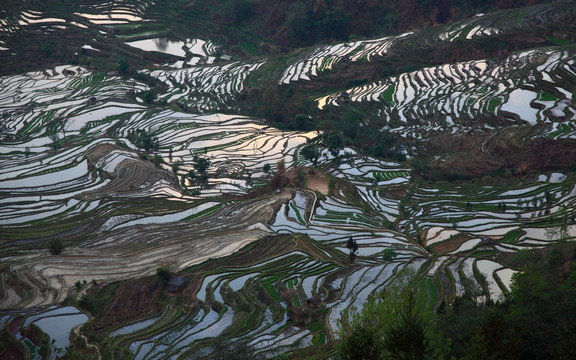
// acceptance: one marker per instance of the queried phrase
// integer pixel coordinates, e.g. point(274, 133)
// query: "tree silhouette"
point(55, 246)
point(352, 245)
point(311, 152)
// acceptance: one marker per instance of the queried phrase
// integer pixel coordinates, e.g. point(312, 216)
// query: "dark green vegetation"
point(249, 26)
point(535, 320)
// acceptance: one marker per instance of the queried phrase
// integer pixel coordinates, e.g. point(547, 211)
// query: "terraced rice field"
point(274, 270)
point(460, 93)
point(205, 88)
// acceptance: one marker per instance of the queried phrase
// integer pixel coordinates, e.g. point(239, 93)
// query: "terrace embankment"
point(512, 150)
point(405, 57)
point(130, 175)
point(136, 251)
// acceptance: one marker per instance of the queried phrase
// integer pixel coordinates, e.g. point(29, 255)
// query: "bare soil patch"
point(443, 247)
point(512, 152)
point(317, 181)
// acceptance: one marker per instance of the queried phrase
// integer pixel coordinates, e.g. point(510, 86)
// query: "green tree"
point(361, 344)
point(311, 152)
point(396, 324)
point(406, 338)
point(266, 168)
point(300, 23)
point(333, 23)
point(334, 142)
point(144, 140)
point(55, 246)
point(303, 122)
point(164, 275)
point(352, 245)
point(349, 124)
point(201, 164)
point(388, 255)
point(123, 67)
point(148, 96)
point(239, 10)
point(176, 166)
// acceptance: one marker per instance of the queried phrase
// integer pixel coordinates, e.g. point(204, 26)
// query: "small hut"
point(344, 97)
point(110, 31)
point(177, 284)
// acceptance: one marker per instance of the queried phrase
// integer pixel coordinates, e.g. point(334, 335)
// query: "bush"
point(388, 255)
point(164, 275)
point(56, 247)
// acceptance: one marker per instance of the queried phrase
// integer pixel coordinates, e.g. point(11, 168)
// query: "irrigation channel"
point(271, 270)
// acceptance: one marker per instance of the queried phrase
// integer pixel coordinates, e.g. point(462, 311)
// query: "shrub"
point(164, 275)
point(56, 247)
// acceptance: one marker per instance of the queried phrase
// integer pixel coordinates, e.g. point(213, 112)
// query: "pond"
point(58, 324)
point(163, 45)
point(519, 103)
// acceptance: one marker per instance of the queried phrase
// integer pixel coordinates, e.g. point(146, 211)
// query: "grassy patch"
point(388, 95)
point(205, 212)
point(556, 41)
point(493, 104)
point(300, 219)
point(562, 129)
point(31, 348)
point(512, 236)
point(389, 175)
point(547, 96)
point(249, 47)
point(268, 284)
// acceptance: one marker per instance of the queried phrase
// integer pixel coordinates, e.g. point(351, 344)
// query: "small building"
point(344, 97)
point(314, 301)
point(110, 31)
point(487, 240)
point(177, 284)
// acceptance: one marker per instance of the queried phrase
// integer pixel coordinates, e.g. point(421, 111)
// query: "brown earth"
point(505, 152)
point(443, 247)
point(317, 181)
point(135, 300)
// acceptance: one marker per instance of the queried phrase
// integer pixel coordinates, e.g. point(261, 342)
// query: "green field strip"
point(321, 270)
point(93, 124)
point(205, 212)
point(512, 237)
point(297, 211)
point(546, 95)
point(268, 284)
point(344, 217)
point(493, 104)
point(480, 278)
point(167, 319)
point(389, 175)
point(37, 122)
point(500, 284)
point(30, 347)
point(428, 287)
point(145, 34)
point(562, 129)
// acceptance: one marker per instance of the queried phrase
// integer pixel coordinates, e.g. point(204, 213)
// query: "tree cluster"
point(536, 320)
point(305, 22)
point(144, 140)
